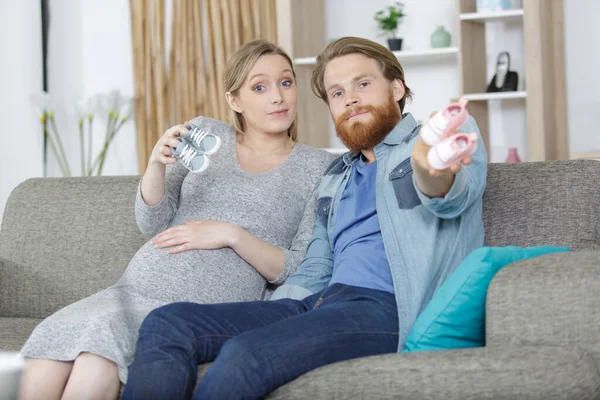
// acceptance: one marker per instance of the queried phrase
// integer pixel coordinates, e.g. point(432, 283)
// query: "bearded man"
point(389, 230)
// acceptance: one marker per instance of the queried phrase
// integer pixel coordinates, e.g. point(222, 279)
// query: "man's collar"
point(401, 132)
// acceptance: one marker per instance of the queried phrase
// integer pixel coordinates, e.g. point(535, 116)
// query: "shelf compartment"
point(427, 54)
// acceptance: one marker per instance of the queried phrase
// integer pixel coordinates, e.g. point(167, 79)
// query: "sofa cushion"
point(63, 239)
point(455, 316)
point(483, 373)
point(14, 332)
point(543, 204)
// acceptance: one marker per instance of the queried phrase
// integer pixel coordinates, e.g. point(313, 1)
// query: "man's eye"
point(336, 94)
point(364, 84)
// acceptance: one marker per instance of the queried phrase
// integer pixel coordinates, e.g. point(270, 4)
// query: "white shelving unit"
point(303, 35)
point(492, 16)
point(495, 96)
point(542, 28)
point(424, 55)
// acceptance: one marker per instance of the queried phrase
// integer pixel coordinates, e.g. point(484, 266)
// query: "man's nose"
point(351, 99)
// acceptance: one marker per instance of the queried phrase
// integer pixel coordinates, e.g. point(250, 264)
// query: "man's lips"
point(356, 114)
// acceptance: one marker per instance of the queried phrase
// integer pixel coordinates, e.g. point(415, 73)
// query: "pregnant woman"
point(232, 219)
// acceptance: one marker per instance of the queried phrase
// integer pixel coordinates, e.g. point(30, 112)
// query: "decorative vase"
point(513, 156)
point(395, 44)
point(497, 5)
point(440, 38)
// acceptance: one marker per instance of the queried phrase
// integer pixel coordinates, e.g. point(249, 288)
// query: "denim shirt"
point(425, 239)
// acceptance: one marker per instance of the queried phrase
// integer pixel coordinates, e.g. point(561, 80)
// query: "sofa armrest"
point(548, 300)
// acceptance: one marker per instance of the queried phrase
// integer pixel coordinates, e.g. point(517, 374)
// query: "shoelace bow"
point(187, 154)
point(197, 136)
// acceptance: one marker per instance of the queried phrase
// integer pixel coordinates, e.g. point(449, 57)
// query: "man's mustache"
point(354, 110)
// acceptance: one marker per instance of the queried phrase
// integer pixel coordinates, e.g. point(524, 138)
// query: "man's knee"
point(247, 365)
point(169, 318)
point(238, 352)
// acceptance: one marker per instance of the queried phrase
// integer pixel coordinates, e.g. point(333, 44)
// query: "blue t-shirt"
point(359, 256)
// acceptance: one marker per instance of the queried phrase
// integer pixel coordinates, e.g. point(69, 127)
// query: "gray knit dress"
point(277, 206)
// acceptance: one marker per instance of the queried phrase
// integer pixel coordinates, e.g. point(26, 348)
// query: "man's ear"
point(397, 90)
point(233, 102)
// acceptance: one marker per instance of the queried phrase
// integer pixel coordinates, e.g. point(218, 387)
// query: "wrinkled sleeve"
point(295, 253)
point(315, 270)
point(154, 219)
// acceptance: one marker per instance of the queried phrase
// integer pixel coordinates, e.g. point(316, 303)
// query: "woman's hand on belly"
point(197, 235)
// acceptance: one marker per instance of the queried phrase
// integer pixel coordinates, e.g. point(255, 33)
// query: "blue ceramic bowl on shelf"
point(498, 5)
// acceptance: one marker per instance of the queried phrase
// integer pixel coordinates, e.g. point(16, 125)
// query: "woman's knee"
point(38, 367)
point(86, 359)
point(44, 378)
point(93, 376)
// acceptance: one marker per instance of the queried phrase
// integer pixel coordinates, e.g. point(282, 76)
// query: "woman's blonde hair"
point(390, 66)
point(237, 69)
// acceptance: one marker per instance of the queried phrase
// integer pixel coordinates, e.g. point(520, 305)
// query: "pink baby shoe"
point(445, 123)
point(451, 149)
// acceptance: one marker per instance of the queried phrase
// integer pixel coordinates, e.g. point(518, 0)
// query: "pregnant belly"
point(199, 276)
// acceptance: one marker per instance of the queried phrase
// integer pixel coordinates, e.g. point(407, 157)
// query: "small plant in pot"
point(388, 20)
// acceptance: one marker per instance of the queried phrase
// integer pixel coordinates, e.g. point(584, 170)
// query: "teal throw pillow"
point(455, 316)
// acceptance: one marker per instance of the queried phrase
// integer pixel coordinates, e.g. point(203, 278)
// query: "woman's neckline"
point(275, 168)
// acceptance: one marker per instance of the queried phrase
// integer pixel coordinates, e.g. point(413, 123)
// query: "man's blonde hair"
point(237, 69)
point(390, 66)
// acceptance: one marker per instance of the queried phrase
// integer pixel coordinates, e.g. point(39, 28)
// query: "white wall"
point(582, 51)
point(20, 74)
point(65, 75)
point(90, 52)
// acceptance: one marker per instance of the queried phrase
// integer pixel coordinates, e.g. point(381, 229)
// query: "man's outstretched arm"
point(450, 192)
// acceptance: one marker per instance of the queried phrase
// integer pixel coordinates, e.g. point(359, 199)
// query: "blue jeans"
point(257, 346)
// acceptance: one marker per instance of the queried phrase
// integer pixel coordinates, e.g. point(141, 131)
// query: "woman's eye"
point(286, 83)
point(259, 88)
point(364, 84)
point(336, 94)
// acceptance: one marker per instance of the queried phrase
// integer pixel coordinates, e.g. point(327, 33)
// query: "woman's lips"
point(279, 113)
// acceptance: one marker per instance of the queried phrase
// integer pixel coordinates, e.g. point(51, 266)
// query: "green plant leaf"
point(389, 18)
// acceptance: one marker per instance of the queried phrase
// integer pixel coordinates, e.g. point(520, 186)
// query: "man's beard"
point(365, 135)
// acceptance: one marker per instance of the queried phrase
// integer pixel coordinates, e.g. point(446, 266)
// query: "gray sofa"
point(64, 239)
